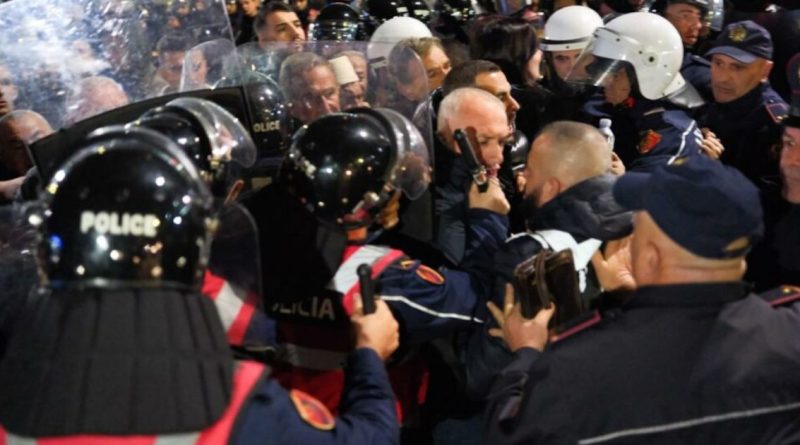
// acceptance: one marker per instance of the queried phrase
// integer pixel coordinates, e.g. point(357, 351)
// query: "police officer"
point(746, 112)
point(568, 205)
point(689, 18)
point(119, 345)
point(692, 358)
point(566, 34)
point(636, 58)
point(339, 185)
point(776, 260)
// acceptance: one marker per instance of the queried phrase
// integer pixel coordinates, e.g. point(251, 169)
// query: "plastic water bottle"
point(605, 129)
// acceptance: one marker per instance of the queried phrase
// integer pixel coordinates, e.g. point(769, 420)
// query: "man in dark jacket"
point(570, 207)
point(692, 358)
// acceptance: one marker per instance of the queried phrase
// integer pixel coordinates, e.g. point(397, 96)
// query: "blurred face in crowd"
point(563, 61)
point(231, 7)
point(317, 95)
point(8, 89)
point(731, 79)
point(16, 135)
point(360, 67)
point(437, 65)
point(353, 95)
point(198, 69)
point(617, 87)
point(687, 19)
point(170, 67)
point(497, 84)
point(790, 163)
point(282, 26)
point(250, 7)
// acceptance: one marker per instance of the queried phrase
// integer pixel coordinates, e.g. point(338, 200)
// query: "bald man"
point(94, 95)
point(18, 130)
point(568, 205)
point(692, 357)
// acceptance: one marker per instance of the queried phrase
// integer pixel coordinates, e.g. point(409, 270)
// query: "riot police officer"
point(636, 58)
point(118, 343)
point(339, 187)
point(690, 17)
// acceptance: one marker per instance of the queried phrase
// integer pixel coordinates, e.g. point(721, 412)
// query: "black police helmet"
point(338, 166)
point(338, 22)
point(128, 209)
point(272, 125)
point(213, 138)
point(419, 10)
point(383, 10)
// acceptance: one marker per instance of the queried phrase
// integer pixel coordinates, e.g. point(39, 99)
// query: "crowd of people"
point(389, 221)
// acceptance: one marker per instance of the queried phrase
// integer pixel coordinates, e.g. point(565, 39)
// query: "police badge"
point(737, 33)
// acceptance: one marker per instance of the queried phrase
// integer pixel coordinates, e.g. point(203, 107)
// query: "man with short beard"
point(569, 205)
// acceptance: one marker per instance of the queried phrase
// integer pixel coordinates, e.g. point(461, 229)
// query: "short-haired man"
point(18, 130)
point(691, 358)
point(310, 85)
point(689, 17)
point(568, 205)
point(277, 22)
point(170, 50)
point(413, 84)
point(483, 118)
point(8, 91)
point(486, 76)
point(249, 12)
point(746, 111)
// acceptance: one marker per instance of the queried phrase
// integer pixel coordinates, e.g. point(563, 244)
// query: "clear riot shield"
point(324, 77)
point(72, 59)
point(321, 77)
point(233, 281)
point(18, 272)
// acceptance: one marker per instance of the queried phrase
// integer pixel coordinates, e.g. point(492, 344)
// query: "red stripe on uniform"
point(238, 328)
point(212, 284)
point(377, 269)
point(244, 380)
point(97, 440)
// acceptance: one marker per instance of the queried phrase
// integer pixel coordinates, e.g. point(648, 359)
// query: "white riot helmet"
point(570, 28)
point(646, 41)
point(389, 33)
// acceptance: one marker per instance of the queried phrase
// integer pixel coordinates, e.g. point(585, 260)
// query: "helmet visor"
point(228, 138)
point(412, 171)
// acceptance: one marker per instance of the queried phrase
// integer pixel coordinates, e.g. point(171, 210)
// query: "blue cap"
point(707, 208)
point(744, 41)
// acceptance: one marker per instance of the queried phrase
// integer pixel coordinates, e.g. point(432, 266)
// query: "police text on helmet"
point(126, 224)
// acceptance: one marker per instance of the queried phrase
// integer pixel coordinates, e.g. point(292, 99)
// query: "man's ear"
point(766, 69)
point(550, 189)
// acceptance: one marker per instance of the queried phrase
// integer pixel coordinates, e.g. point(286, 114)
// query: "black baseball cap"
point(744, 41)
point(707, 208)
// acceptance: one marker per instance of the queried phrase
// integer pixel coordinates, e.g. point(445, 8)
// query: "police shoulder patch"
point(781, 295)
point(649, 141)
point(430, 275)
point(312, 411)
point(777, 111)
